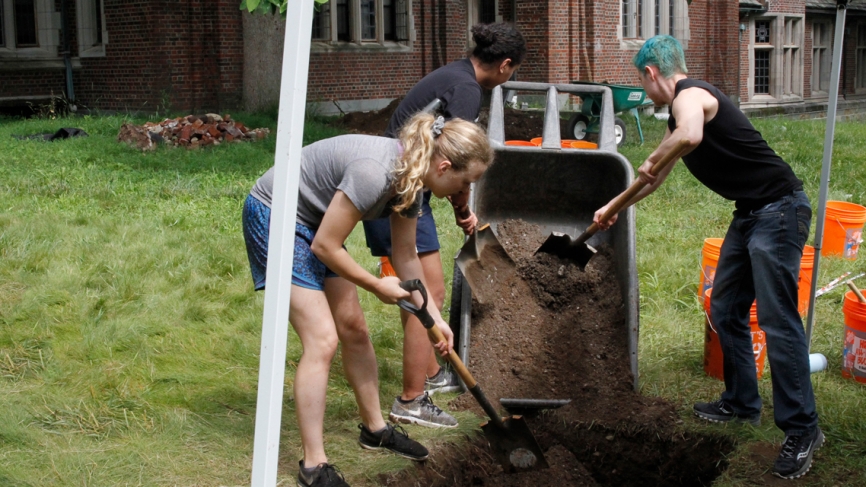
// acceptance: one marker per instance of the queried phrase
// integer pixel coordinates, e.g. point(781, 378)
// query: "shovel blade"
point(561, 245)
point(514, 446)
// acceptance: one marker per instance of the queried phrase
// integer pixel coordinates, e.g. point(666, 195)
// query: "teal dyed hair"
point(664, 52)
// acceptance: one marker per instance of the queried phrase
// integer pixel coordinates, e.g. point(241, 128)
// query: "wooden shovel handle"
point(459, 367)
point(857, 292)
point(635, 188)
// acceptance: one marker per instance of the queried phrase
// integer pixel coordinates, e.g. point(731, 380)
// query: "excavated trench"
point(549, 330)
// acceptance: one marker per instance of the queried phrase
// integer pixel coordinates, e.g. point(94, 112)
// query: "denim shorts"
point(378, 232)
point(307, 270)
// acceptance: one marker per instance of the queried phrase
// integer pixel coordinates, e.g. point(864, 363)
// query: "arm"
point(694, 107)
point(405, 260)
point(339, 221)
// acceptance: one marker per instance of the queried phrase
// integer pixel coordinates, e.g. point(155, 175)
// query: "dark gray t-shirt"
point(361, 166)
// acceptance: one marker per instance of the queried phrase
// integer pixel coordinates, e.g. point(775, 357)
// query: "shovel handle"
point(623, 199)
point(436, 336)
point(857, 292)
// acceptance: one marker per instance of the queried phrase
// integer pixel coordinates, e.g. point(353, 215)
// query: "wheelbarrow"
point(557, 189)
point(586, 121)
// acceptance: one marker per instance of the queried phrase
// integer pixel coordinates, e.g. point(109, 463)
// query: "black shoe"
point(795, 459)
point(720, 412)
point(394, 439)
point(325, 475)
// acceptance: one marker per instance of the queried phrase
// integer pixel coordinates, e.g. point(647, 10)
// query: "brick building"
point(206, 55)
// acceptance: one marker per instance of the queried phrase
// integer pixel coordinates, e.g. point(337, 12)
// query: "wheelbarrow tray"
point(625, 97)
point(559, 190)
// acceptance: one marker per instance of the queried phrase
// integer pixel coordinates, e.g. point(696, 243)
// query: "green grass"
point(129, 330)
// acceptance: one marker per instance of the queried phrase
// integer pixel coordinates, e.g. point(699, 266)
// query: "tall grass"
point(129, 330)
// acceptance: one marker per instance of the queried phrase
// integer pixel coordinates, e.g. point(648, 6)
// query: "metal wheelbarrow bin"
point(559, 190)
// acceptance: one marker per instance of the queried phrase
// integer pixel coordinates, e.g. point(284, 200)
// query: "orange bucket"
point(582, 144)
point(709, 261)
point(536, 141)
point(713, 358)
point(804, 283)
point(854, 343)
point(843, 229)
point(385, 268)
point(519, 143)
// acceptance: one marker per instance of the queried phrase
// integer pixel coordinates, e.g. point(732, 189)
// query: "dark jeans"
point(760, 257)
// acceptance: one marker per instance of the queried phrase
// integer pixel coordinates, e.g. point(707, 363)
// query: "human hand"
point(466, 220)
point(645, 174)
point(604, 225)
point(445, 346)
point(388, 290)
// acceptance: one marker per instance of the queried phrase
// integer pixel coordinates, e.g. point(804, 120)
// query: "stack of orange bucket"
point(713, 358)
point(843, 229)
point(854, 344)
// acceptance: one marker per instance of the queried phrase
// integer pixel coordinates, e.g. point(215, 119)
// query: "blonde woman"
point(345, 180)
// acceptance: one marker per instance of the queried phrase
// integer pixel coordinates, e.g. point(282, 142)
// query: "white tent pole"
point(835, 70)
point(275, 319)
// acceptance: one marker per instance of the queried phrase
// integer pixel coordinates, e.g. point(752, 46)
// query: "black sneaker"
point(325, 475)
point(795, 459)
point(394, 439)
point(720, 412)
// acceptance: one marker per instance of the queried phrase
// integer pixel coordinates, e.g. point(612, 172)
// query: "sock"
point(307, 473)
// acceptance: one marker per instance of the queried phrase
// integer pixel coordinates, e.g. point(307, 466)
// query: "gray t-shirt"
point(361, 166)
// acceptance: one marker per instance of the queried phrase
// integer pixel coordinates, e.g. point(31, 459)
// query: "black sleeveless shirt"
point(733, 159)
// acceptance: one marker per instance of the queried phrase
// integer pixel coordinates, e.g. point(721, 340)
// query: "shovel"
point(513, 444)
point(562, 245)
point(470, 254)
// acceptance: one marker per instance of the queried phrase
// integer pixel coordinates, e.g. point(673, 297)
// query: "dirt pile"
point(554, 331)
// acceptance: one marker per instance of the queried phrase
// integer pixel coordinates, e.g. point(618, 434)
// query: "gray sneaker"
point(444, 381)
point(422, 411)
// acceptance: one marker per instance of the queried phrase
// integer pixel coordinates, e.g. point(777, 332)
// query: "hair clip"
point(438, 125)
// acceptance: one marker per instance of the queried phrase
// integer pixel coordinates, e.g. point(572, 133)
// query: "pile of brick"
point(191, 132)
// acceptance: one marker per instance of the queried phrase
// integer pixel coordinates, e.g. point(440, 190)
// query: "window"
point(27, 29)
point(362, 22)
point(480, 12)
point(91, 28)
point(821, 56)
point(776, 65)
point(860, 54)
point(642, 19)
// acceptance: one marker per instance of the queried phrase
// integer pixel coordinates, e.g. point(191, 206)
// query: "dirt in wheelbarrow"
point(555, 331)
point(519, 124)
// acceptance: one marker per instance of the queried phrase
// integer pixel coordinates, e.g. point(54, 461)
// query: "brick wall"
point(161, 54)
point(441, 33)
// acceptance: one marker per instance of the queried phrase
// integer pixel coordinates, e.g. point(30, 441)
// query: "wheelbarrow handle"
point(622, 200)
point(436, 336)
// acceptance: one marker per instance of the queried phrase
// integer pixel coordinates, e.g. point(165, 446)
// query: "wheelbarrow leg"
point(637, 120)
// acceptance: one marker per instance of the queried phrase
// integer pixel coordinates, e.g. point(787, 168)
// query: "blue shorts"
point(307, 270)
point(378, 232)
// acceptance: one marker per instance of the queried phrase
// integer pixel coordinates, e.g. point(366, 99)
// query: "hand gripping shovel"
point(512, 442)
point(577, 250)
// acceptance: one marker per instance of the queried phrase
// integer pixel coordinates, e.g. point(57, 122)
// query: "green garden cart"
point(584, 124)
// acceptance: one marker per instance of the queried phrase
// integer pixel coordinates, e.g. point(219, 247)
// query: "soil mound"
point(554, 331)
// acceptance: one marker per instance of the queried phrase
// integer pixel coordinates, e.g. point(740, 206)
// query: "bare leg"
point(311, 318)
point(359, 357)
point(419, 360)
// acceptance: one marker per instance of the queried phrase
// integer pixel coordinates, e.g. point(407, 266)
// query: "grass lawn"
point(129, 330)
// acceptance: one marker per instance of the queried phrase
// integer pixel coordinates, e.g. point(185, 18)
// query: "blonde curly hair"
point(459, 142)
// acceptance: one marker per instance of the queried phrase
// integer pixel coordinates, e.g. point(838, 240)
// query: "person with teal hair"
point(759, 258)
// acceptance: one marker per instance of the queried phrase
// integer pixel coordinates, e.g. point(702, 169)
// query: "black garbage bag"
point(63, 133)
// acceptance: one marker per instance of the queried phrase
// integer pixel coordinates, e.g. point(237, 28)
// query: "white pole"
point(829, 132)
point(275, 319)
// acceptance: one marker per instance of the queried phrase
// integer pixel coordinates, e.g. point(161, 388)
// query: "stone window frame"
point(632, 35)
point(787, 36)
point(87, 28)
point(860, 58)
point(47, 33)
point(331, 43)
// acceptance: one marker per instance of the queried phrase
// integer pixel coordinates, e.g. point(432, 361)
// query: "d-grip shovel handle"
point(424, 317)
point(633, 190)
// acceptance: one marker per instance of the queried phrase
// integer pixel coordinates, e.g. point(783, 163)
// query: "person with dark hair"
point(760, 256)
point(499, 50)
point(344, 180)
